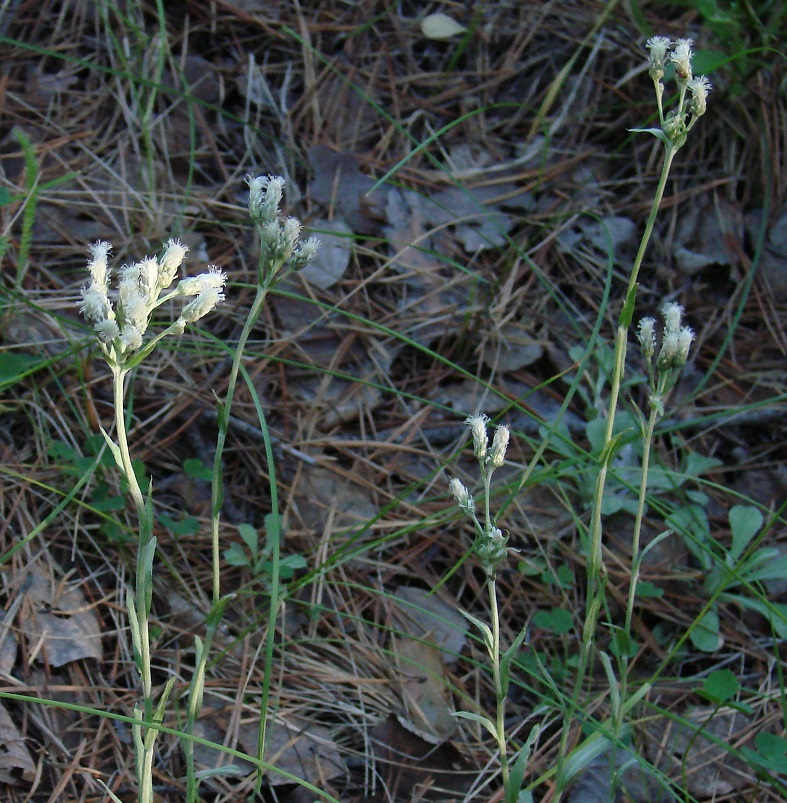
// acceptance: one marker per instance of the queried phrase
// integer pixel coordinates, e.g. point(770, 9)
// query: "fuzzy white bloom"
point(497, 454)
point(658, 47)
point(685, 339)
point(97, 266)
point(130, 337)
point(214, 279)
point(95, 306)
point(681, 58)
point(699, 88)
point(172, 260)
point(646, 334)
point(305, 253)
point(461, 495)
point(477, 424)
point(669, 350)
point(265, 194)
point(148, 278)
point(135, 311)
point(106, 330)
point(201, 305)
point(672, 312)
point(291, 230)
point(129, 282)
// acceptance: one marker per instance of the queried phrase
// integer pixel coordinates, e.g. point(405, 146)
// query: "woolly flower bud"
point(97, 266)
point(130, 337)
point(477, 424)
point(214, 279)
point(148, 278)
point(265, 194)
point(658, 46)
point(681, 58)
point(669, 350)
point(497, 454)
point(135, 312)
point(95, 305)
point(685, 339)
point(201, 305)
point(304, 253)
point(170, 262)
point(106, 330)
point(646, 335)
point(461, 495)
point(699, 88)
point(672, 312)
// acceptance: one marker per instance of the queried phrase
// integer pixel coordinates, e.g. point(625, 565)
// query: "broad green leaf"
point(745, 523)
point(705, 634)
point(236, 555)
point(721, 685)
point(249, 536)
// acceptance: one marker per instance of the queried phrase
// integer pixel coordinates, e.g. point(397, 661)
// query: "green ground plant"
point(293, 613)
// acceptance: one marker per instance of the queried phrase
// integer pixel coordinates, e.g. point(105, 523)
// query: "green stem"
point(635, 553)
point(217, 490)
point(494, 654)
point(140, 610)
point(595, 568)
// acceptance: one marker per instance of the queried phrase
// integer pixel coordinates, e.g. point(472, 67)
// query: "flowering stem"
point(139, 603)
point(217, 490)
point(595, 568)
point(500, 698)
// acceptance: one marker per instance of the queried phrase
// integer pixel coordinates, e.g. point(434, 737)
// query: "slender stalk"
point(139, 609)
point(500, 719)
point(217, 490)
point(595, 568)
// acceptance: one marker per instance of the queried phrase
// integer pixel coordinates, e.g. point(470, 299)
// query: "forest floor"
point(480, 199)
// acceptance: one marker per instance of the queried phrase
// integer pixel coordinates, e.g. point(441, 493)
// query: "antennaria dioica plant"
point(490, 543)
point(120, 319)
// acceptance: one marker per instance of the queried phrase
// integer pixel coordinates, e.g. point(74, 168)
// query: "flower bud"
point(658, 46)
point(97, 266)
point(106, 330)
point(681, 58)
point(497, 455)
point(170, 262)
point(477, 424)
point(699, 88)
point(461, 495)
point(304, 253)
point(647, 337)
point(672, 312)
point(201, 305)
point(130, 337)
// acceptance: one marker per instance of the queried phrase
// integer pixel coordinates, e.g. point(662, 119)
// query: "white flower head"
point(304, 253)
point(672, 312)
point(477, 424)
point(200, 306)
point(95, 306)
point(173, 258)
point(497, 454)
point(106, 330)
point(699, 88)
point(658, 47)
point(130, 337)
point(461, 495)
point(646, 334)
point(681, 58)
point(685, 339)
point(214, 279)
point(99, 272)
point(265, 194)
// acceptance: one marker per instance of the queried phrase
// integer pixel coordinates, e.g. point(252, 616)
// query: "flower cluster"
point(490, 542)
point(120, 325)
point(279, 237)
point(693, 90)
point(676, 341)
